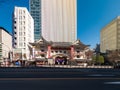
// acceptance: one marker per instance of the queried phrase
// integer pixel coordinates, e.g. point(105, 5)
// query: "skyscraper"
point(55, 20)
point(59, 20)
point(23, 30)
point(35, 11)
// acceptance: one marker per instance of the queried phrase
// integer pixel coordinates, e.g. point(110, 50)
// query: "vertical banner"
point(33, 51)
point(72, 52)
point(49, 51)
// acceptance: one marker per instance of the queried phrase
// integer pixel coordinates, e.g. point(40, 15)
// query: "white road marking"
point(100, 75)
point(112, 83)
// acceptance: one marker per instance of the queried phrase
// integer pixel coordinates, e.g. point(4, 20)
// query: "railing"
point(76, 66)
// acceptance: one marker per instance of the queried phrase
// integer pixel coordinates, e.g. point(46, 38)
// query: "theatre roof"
point(77, 43)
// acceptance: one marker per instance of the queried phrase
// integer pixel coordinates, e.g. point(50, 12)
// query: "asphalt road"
point(59, 79)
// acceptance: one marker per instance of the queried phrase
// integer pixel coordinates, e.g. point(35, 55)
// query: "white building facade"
point(5, 44)
point(23, 31)
point(59, 20)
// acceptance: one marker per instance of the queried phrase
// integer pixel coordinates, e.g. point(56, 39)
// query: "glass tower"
point(35, 11)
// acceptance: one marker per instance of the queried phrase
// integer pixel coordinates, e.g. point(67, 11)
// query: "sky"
point(92, 16)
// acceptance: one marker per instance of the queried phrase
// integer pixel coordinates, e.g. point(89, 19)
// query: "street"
point(59, 79)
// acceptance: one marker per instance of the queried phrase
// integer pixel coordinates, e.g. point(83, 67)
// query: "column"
point(33, 52)
point(49, 51)
point(72, 52)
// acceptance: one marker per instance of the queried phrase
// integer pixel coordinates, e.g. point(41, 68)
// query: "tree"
point(98, 59)
point(101, 59)
point(113, 56)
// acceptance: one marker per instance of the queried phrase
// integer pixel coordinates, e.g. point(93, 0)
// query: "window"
point(24, 44)
point(24, 33)
point(42, 55)
point(24, 38)
point(52, 51)
point(23, 11)
point(56, 51)
point(60, 51)
point(20, 33)
point(64, 51)
point(42, 50)
point(14, 21)
point(78, 56)
point(78, 51)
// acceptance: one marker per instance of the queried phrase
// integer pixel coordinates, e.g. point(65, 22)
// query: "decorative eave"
point(61, 44)
point(40, 42)
point(79, 44)
point(76, 44)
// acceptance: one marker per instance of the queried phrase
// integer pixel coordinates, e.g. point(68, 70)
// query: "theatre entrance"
point(61, 60)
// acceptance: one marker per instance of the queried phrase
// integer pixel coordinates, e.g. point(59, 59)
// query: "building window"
point(20, 33)
point(60, 51)
point(24, 33)
point(24, 38)
point(56, 51)
point(78, 56)
point(64, 51)
point(42, 50)
point(20, 44)
point(42, 55)
point(24, 44)
point(78, 51)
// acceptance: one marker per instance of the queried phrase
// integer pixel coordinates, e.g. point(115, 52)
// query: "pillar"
point(33, 52)
point(72, 52)
point(49, 51)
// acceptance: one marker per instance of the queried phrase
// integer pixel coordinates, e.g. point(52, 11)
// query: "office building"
point(55, 20)
point(35, 11)
point(5, 44)
point(110, 36)
point(59, 20)
point(23, 31)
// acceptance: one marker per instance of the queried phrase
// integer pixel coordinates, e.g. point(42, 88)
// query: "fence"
point(74, 66)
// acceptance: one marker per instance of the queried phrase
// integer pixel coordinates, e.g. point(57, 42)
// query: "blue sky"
point(92, 16)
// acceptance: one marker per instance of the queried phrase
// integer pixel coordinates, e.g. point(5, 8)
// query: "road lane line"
point(117, 83)
point(100, 75)
point(18, 79)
